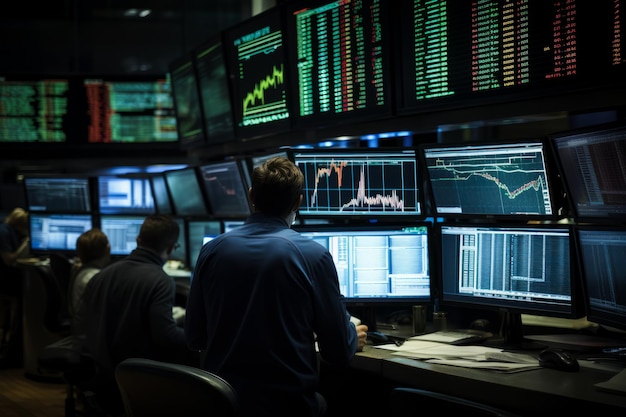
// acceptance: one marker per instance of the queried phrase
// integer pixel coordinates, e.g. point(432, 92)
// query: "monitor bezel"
point(91, 186)
point(389, 216)
point(556, 194)
point(368, 302)
point(576, 307)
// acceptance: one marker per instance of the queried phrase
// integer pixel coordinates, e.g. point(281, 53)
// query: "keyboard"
point(455, 337)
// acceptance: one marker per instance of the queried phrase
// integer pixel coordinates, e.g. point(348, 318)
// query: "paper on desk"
point(435, 350)
point(492, 365)
point(408, 346)
point(616, 385)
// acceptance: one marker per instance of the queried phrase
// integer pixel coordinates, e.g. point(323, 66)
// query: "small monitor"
point(162, 200)
point(601, 253)
point(122, 231)
point(226, 189)
point(359, 182)
point(58, 194)
point(184, 188)
point(187, 102)
point(593, 169)
point(517, 269)
point(505, 180)
point(378, 263)
point(125, 195)
point(201, 231)
point(57, 232)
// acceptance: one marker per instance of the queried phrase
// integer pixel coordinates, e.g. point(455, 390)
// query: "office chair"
point(408, 402)
point(152, 388)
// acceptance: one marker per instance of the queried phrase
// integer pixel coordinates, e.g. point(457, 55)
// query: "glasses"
point(176, 245)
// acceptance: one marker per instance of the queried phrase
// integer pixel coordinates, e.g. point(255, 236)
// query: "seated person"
point(127, 311)
point(93, 252)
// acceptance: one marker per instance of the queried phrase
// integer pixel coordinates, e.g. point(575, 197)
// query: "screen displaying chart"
point(491, 180)
point(358, 183)
point(256, 62)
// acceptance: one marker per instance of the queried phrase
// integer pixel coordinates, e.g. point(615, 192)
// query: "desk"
point(535, 392)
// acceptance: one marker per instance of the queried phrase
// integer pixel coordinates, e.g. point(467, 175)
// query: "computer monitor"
point(378, 263)
point(226, 189)
point(496, 180)
point(228, 225)
point(56, 232)
point(184, 188)
point(215, 91)
point(122, 231)
point(593, 169)
point(362, 182)
point(514, 268)
point(162, 200)
point(601, 250)
point(125, 195)
point(58, 194)
point(199, 232)
point(187, 102)
point(257, 67)
point(340, 61)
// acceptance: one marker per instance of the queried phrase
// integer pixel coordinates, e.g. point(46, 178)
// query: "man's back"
point(261, 291)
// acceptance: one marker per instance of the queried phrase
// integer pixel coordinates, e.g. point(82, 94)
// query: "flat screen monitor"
point(491, 180)
point(52, 232)
point(125, 195)
point(214, 84)
point(592, 163)
point(518, 269)
point(130, 109)
point(122, 231)
point(187, 102)
point(378, 263)
point(257, 68)
point(162, 201)
point(359, 182)
point(58, 194)
point(601, 252)
point(340, 61)
point(228, 225)
point(184, 188)
point(226, 189)
point(200, 232)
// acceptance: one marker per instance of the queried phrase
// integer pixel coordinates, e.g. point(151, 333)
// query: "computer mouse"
point(558, 359)
point(377, 338)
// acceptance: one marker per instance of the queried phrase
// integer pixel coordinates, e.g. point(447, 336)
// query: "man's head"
point(92, 245)
point(277, 187)
point(159, 233)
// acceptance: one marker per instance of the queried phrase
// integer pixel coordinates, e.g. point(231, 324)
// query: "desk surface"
point(534, 392)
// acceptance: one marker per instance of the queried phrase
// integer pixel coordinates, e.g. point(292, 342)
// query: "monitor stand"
point(512, 334)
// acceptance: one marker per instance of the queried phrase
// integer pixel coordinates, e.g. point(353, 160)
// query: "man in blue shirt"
point(260, 298)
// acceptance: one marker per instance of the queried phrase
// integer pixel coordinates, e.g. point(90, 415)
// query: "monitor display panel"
point(187, 102)
point(491, 180)
point(601, 252)
point(359, 182)
point(58, 194)
point(518, 269)
point(378, 263)
point(214, 84)
point(52, 232)
point(130, 195)
point(184, 188)
point(340, 61)
point(130, 109)
point(122, 231)
point(228, 225)
point(226, 189)
point(162, 201)
point(256, 64)
point(592, 163)
point(200, 232)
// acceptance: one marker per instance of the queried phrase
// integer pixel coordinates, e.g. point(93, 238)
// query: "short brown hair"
point(276, 186)
point(92, 245)
point(158, 232)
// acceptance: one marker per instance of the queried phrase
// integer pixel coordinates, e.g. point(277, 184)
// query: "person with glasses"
point(127, 311)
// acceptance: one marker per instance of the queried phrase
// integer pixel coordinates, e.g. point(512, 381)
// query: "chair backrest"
point(408, 402)
point(152, 388)
point(62, 269)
